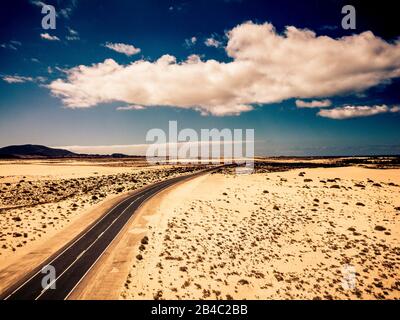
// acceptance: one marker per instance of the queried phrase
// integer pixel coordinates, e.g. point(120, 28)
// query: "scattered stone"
point(145, 240)
point(183, 269)
point(243, 282)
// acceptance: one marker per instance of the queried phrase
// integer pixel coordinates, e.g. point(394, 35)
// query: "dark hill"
point(29, 150)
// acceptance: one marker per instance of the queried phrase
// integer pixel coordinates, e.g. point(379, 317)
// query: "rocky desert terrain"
point(314, 233)
point(297, 229)
point(39, 198)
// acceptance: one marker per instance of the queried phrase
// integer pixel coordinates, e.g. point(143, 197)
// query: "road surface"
point(76, 259)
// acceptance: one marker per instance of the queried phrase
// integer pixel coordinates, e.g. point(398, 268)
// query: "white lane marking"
point(80, 255)
point(75, 241)
point(109, 212)
point(87, 249)
point(116, 236)
point(99, 236)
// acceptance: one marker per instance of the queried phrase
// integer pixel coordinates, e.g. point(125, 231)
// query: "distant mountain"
point(119, 155)
point(33, 151)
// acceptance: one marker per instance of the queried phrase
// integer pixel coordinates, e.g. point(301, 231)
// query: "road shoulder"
point(26, 261)
point(106, 279)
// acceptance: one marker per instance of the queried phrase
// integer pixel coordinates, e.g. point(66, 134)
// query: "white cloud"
point(313, 103)
point(72, 38)
point(265, 67)
point(211, 42)
point(13, 44)
point(7, 46)
point(135, 149)
point(66, 12)
point(40, 79)
point(21, 79)
point(73, 35)
point(176, 7)
point(130, 107)
point(37, 3)
point(395, 109)
point(140, 149)
point(349, 112)
point(72, 31)
point(47, 36)
point(126, 49)
point(16, 79)
point(190, 42)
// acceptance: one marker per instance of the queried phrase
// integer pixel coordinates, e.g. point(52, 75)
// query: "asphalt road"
point(75, 260)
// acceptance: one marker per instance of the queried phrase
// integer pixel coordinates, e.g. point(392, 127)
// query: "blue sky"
point(35, 84)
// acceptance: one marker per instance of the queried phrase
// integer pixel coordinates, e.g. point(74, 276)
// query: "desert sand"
point(323, 233)
point(279, 233)
point(39, 198)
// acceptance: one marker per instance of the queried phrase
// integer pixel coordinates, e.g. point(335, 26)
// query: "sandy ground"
point(40, 198)
point(33, 170)
point(313, 233)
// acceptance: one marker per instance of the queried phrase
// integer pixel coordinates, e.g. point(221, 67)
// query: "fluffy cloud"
point(131, 107)
point(126, 49)
point(349, 112)
point(47, 36)
point(313, 103)
point(265, 67)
